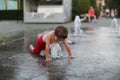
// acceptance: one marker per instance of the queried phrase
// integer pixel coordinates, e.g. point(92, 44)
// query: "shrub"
point(93, 3)
point(110, 3)
point(80, 7)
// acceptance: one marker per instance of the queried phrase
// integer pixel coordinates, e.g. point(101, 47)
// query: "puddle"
point(97, 58)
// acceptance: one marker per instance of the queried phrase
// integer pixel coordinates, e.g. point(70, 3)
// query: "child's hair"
point(61, 32)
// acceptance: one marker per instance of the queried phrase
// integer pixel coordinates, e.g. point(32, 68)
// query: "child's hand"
point(48, 59)
point(71, 57)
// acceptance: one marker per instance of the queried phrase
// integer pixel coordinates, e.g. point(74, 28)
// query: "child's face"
point(58, 39)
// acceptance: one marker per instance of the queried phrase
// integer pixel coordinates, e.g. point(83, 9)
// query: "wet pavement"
point(96, 51)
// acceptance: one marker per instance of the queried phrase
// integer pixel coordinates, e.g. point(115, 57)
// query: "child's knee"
point(36, 52)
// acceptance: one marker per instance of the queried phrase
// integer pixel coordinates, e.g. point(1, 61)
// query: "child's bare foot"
point(31, 48)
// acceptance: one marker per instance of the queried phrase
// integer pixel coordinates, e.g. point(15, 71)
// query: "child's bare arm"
point(68, 49)
point(47, 49)
point(47, 52)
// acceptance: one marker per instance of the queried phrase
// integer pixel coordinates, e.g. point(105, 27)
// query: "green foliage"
point(94, 5)
point(80, 7)
point(83, 6)
point(113, 4)
point(74, 8)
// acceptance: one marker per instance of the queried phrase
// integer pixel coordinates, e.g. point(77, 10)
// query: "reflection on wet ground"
point(96, 52)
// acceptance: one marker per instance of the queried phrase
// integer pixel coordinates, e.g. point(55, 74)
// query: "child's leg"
point(31, 48)
point(40, 45)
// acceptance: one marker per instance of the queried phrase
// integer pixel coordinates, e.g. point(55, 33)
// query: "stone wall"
point(47, 13)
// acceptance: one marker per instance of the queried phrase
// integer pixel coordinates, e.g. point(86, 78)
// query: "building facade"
point(47, 11)
point(10, 4)
point(39, 11)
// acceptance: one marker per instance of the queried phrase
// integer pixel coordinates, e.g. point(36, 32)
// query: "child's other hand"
point(71, 57)
point(48, 59)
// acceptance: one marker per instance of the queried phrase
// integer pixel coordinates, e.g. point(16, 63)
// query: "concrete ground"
point(7, 27)
point(96, 51)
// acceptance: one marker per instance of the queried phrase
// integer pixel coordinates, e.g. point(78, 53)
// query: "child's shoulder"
point(47, 32)
point(51, 33)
